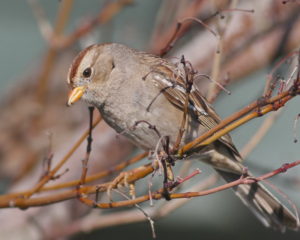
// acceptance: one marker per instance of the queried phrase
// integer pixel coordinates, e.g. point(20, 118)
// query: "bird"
point(145, 97)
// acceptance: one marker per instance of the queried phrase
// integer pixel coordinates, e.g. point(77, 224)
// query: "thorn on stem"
point(284, 167)
point(295, 128)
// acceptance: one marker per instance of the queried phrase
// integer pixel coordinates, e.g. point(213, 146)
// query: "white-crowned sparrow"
point(130, 87)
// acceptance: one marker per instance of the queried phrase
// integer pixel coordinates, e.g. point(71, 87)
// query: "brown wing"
point(174, 91)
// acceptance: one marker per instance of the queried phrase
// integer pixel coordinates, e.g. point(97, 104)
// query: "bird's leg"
point(128, 178)
point(120, 180)
point(164, 159)
point(132, 190)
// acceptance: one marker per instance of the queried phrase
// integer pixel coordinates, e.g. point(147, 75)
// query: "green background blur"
point(218, 216)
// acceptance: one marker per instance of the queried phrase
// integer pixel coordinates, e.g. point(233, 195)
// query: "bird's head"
point(88, 73)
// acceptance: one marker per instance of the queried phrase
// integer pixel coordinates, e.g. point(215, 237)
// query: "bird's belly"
point(146, 126)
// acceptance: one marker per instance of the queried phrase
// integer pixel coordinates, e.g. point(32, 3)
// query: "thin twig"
point(175, 36)
point(88, 148)
point(43, 23)
point(216, 66)
point(61, 21)
point(143, 211)
point(259, 134)
point(40, 201)
point(91, 178)
point(223, 128)
point(107, 13)
point(52, 173)
point(95, 221)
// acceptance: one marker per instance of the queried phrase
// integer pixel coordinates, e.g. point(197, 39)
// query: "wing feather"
point(175, 92)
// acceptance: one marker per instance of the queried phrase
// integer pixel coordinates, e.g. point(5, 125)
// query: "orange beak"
point(75, 95)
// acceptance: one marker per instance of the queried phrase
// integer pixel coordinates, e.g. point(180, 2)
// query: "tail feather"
point(268, 209)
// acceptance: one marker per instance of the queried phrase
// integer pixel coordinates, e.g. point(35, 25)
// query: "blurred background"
point(39, 40)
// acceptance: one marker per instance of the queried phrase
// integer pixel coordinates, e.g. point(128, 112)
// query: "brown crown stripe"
point(76, 63)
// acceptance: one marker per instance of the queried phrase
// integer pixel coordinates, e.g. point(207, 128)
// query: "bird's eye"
point(87, 72)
